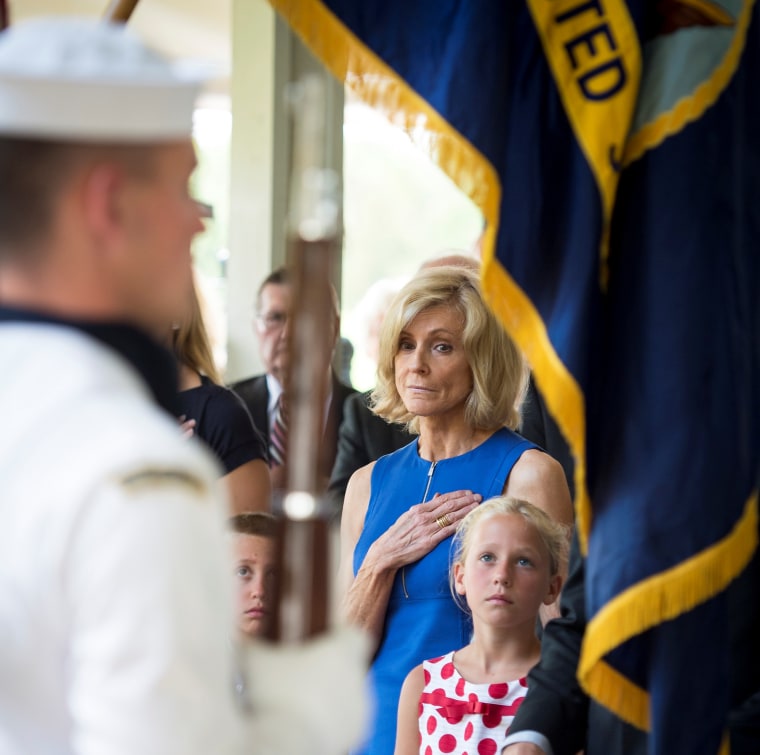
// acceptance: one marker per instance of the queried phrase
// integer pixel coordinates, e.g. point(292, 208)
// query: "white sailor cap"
point(87, 80)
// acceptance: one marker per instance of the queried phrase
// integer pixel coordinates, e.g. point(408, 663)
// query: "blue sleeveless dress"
point(422, 620)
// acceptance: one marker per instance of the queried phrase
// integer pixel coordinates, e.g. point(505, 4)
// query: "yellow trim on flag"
point(691, 108)
point(654, 600)
point(558, 387)
point(619, 694)
point(595, 58)
point(377, 84)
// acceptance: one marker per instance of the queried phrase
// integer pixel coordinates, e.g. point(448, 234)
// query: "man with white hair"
point(115, 604)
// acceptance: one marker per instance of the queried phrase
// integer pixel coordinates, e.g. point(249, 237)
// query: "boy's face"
point(255, 570)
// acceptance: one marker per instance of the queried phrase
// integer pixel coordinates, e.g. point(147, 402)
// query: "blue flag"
point(614, 149)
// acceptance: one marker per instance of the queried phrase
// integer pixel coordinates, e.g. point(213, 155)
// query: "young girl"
point(507, 563)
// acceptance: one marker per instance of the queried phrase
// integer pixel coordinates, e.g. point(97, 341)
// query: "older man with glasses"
point(265, 395)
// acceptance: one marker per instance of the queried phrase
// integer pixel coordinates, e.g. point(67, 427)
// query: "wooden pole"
point(119, 11)
point(313, 240)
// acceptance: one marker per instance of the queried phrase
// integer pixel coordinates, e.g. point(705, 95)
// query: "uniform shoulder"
point(154, 478)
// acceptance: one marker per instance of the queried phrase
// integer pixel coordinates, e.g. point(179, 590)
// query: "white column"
point(252, 158)
point(265, 57)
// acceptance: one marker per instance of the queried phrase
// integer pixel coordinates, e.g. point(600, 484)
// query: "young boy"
point(255, 554)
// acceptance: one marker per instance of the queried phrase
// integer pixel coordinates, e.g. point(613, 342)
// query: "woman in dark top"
point(220, 417)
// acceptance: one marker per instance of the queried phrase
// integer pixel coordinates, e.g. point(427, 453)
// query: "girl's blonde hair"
point(554, 536)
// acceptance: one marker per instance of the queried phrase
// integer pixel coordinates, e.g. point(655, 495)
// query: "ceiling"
point(179, 28)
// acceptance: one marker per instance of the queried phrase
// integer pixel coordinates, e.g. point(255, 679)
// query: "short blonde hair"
point(554, 535)
point(499, 371)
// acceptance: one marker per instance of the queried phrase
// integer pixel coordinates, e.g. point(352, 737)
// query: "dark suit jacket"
point(363, 437)
point(255, 394)
point(539, 426)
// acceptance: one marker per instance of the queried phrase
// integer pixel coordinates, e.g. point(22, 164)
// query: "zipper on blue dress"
point(429, 480)
point(424, 499)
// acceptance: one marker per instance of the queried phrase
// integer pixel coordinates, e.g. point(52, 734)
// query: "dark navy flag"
point(614, 149)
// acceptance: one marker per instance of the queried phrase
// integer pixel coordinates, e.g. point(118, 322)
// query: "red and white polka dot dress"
point(462, 718)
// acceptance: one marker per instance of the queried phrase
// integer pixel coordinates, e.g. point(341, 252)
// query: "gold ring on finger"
point(443, 521)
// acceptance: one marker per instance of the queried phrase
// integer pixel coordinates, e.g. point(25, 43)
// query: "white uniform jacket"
point(114, 600)
point(115, 578)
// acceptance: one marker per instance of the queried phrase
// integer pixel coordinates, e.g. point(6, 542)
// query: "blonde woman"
point(448, 371)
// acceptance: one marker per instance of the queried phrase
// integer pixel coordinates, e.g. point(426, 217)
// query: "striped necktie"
point(278, 438)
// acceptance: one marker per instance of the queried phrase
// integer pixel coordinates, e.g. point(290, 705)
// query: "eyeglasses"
point(272, 320)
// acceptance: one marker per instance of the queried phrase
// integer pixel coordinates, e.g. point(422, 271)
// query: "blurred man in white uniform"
point(115, 605)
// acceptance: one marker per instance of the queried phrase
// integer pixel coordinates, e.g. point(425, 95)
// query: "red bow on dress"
point(449, 708)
